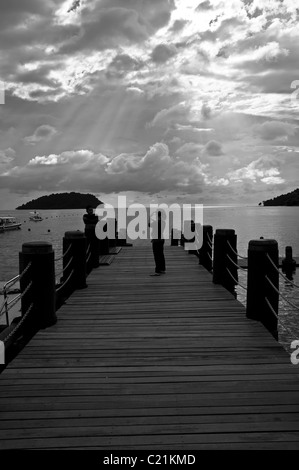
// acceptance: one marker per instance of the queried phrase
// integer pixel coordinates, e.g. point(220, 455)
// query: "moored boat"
point(9, 223)
point(35, 217)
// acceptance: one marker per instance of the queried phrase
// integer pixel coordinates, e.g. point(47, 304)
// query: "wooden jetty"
point(140, 362)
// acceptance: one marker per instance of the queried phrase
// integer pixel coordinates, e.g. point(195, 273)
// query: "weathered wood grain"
point(138, 362)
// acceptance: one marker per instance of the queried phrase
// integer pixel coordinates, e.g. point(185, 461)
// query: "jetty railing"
point(43, 289)
point(263, 273)
point(44, 286)
point(7, 304)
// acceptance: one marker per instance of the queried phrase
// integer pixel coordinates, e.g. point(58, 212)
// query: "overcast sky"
point(173, 100)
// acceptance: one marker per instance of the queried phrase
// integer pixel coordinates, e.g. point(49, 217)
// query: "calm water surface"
point(279, 223)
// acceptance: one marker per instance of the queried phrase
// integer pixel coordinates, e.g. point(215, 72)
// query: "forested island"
point(62, 201)
point(289, 199)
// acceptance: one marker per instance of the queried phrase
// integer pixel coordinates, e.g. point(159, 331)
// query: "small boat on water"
point(35, 217)
point(9, 223)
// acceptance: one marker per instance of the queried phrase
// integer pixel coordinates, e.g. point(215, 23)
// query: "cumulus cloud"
point(122, 75)
point(81, 158)
point(260, 170)
point(270, 130)
point(213, 148)
point(42, 133)
point(153, 172)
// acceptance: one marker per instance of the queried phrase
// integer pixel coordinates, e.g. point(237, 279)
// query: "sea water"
point(249, 222)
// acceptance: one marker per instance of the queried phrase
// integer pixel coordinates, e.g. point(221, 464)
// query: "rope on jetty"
point(282, 275)
point(235, 280)
point(271, 308)
point(64, 254)
point(18, 324)
point(235, 264)
point(281, 295)
point(88, 253)
point(234, 251)
point(278, 318)
point(7, 306)
point(209, 242)
point(65, 282)
point(65, 268)
point(88, 249)
point(24, 271)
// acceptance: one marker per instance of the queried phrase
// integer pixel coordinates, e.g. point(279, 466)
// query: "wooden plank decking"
point(138, 362)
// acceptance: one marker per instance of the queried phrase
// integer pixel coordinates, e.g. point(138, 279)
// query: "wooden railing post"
point(205, 253)
point(262, 297)
point(225, 248)
point(75, 245)
point(42, 292)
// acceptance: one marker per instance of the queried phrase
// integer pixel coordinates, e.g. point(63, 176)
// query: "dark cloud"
point(178, 25)
point(155, 13)
point(38, 76)
point(46, 95)
point(44, 132)
point(14, 12)
point(257, 12)
point(106, 23)
point(206, 5)
point(271, 130)
point(206, 111)
point(105, 29)
point(122, 64)
point(163, 52)
point(214, 148)
point(224, 31)
point(75, 5)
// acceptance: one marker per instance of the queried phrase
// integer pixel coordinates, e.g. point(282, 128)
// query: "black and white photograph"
point(149, 229)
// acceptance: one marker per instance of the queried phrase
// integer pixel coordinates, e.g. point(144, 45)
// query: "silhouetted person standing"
point(90, 220)
point(158, 244)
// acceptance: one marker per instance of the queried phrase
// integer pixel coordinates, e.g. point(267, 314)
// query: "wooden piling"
point(225, 259)
point(42, 291)
point(262, 297)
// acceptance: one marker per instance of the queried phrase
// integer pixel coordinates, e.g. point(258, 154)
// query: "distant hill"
point(289, 199)
point(62, 201)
